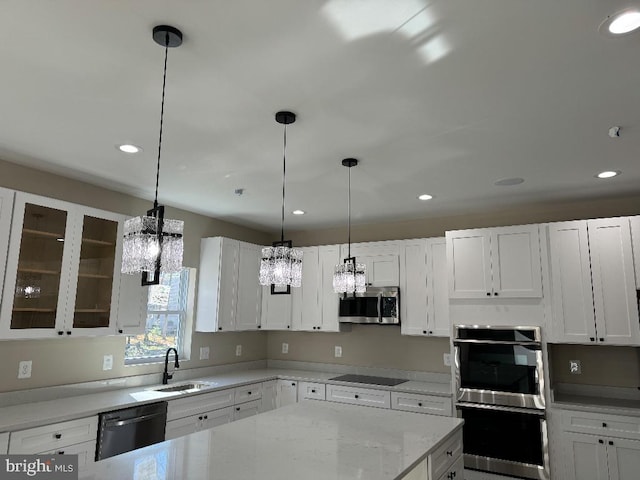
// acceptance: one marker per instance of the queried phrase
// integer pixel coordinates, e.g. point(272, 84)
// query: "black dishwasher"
point(124, 430)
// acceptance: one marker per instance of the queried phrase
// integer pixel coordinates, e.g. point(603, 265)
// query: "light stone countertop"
point(311, 440)
point(28, 415)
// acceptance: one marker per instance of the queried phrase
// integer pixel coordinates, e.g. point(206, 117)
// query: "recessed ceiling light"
point(609, 174)
point(128, 148)
point(425, 196)
point(298, 212)
point(621, 23)
point(507, 182)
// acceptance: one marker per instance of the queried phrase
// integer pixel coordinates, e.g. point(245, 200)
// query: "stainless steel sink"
point(183, 387)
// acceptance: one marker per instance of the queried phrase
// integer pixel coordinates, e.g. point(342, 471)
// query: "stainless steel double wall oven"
point(500, 394)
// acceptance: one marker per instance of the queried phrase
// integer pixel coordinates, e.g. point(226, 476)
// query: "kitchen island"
point(311, 440)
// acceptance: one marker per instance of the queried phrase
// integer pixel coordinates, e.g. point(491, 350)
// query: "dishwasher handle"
point(121, 423)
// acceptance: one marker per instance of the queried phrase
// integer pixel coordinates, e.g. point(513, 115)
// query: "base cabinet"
point(359, 396)
point(185, 426)
point(4, 443)
point(245, 410)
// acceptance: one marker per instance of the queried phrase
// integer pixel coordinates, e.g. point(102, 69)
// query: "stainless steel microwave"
point(378, 305)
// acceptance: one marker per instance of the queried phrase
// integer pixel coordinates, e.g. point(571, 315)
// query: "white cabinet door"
point(469, 262)
point(311, 390)
point(269, 395)
point(6, 210)
point(4, 443)
point(245, 410)
point(249, 288)
point(276, 310)
point(571, 294)
point(437, 288)
point(182, 426)
point(414, 304)
point(86, 453)
point(515, 262)
point(623, 459)
point(328, 258)
point(635, 239)
point(132, 305)
point(215, 418)
point(306, 307)
point(613, 277)
point(287, 393)
point(585, 457)
point(382, 260)
point(359, 396)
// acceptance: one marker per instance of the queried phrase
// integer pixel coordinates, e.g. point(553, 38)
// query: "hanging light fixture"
point(153, 243)
point(281, 264)
point(349, 276)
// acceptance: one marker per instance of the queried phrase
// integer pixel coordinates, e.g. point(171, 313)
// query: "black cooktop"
point(389, 382)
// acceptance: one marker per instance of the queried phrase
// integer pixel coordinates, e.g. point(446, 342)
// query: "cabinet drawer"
point(196, 404)
point(601, 424)
point(455, 471)
point(217, 417)
point(248, 393)
point(54, 437)
point(86, 453)
point(359, 396)
point(446, 454)
point(181, 426)
point(415, 402)
point(314, 391)
point(4, 443)
point(247, 409)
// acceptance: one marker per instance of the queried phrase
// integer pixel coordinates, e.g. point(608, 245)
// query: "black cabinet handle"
point(288, 326)
point(60, 332)
point(238, 409)
point(219, 328)
point(259, 326)
point(592, 339)
point(206, 417)
point(313, 391)
point(604, 424)
point(293, 384)
point(449, 453)
point(200, 417)
point(248, 393)
point(68, 332)
point(430, 332)
point(601, 339)
point(488, 294)
point(424, 331)
point(58, 436)
point(60, 452)
point(120, 331)
point(419, 404)
point(600, 441)
point(610, 442)
point(495, 293)
point(357, 396)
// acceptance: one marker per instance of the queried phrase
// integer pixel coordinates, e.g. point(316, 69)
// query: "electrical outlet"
point(338, 351)
point(285, 348)
point(107, 362)
point(24, 369)
point(447, 359)
point(575, 367)
point(238, 350)
point(204, 353)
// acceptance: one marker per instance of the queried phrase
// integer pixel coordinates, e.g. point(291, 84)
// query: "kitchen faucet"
point(165, 375)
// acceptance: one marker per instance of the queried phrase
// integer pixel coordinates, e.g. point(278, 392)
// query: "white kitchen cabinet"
point(593, 283)
point(311, 391)
point(229, 294)
point(245, 410)
point(315, 304)
point(382, 261)
point(276, 310)
point(52, 437)
point(269, 396)
point(287, 393)
point(247, 393)
point(635, 240)
point(196, 405)
point(187, 425)
point(63, 270)
point(86, 453)
point(6, 210)
point(4, 443)
point(359, 396)
point(425, 297)
point(420, 403)
point(132, 305)
point(494, 262)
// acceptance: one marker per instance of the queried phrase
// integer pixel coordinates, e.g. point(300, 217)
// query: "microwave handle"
point(380, 308)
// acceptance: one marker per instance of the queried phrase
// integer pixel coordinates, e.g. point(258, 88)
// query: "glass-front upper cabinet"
point(60, 270)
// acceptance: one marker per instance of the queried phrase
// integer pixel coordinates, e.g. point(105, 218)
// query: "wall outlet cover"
point(24, 369)
point(338, 351)
point(107, 362)
point(238, 350)
point(285, 348)
point(204, 353)
point(575, 367)
point(446, 357)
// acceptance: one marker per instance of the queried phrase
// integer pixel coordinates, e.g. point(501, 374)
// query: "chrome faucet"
point(165, 375)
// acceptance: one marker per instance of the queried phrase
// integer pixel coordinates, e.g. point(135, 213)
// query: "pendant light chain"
point(284, 173)
point(164, 83)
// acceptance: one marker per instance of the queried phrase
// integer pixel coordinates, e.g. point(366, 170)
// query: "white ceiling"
point(442, 97)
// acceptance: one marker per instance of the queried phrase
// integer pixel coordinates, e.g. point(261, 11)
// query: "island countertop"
point(310, 440)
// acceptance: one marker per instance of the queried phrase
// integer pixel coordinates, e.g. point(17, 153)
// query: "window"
point(168, 320)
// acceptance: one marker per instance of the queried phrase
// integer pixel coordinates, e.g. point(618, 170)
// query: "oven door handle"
point(380, 307)
point(458, 341)
point(501, 408)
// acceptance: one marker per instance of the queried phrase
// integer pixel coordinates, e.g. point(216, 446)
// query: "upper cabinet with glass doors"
point(62, 270)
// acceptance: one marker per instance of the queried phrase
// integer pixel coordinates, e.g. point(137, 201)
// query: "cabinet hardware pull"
point(248, 393)
point(60, 452)
point(430, 332)
point(357, 396)
point(601, 339)
point(600, 441)
point(58, 436)
point(293, 384)
point(68, 332)
point(60, 332)
point(450, 453)
point(238, 409)
point(219, 328)
point(610, 442)
point(120, 331)
point(453, 474)
point(419, 404)
point(604, 424)
point(313, 391)
point(288, 326)
point(424, 331)
point(206, 417)
point(200, 417)
point(488, 294)
point(259, 326)
point(592, 339)
point(496, 294)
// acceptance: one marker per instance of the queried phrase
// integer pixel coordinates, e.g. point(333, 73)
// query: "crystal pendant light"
point(152, 243)
point(349, 276)
point(281, 264)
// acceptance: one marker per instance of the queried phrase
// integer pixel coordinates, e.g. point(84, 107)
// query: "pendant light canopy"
point(349, 276)
point(281, 264)
point(152, 243)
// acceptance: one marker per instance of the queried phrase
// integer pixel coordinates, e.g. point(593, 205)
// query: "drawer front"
point(446, 454)
point(359, 396)
point(4, 443)
point(197, 404)
point(455, 471)
point(54, 437)
point(247, 409)
point(601, 424)
point(217, 417)
point(86, 453)
point(248, 393)
point(412, 402)
point(181, 426)
point(314, 391)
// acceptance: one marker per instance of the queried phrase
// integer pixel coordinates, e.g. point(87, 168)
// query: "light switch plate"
point(338, 351)
point(107, 362)
point(285, 348)
point(204, 353)
point(446, 357)
point(575, 367)
point(238, 350)
point(24, 369)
